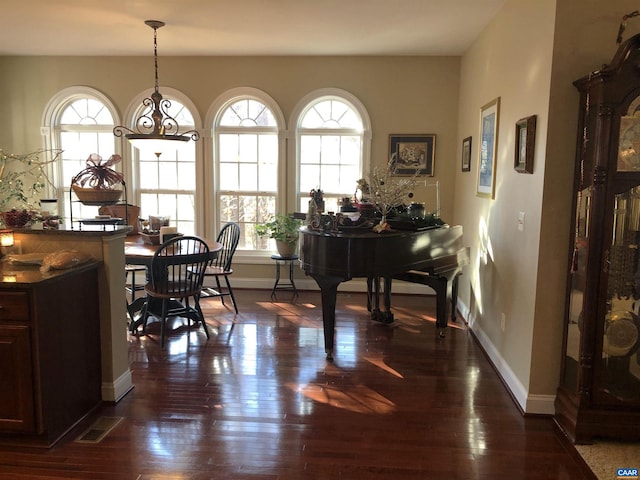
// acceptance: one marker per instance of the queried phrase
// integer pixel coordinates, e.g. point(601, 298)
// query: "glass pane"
point(248, 113)
point(330, 149)
point(86, 111)
point(148, 175)
point(268, 178)
point(229, 177)
point(310, 148)
point(629, 143)
point(228, 208)
point(331, 114)
point(578, 280)
point(309, 177)
point(167, 176)
point(248, 177)
point(248, 148)
point(228, 147)
point(619, 372)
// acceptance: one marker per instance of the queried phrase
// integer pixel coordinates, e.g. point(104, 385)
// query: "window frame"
point(131, 161)
point(303, 106)
point(51, 131)
point(212, 164)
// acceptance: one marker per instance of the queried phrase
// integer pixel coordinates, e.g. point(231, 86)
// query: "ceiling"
point(243, 27)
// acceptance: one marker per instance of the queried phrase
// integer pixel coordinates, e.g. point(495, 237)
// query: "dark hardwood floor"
point(259, 401)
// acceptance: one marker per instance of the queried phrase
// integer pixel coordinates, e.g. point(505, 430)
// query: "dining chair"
point(229, 237)
point(176, 275)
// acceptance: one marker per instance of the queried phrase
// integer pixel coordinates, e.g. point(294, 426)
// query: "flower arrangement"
point(387, 192)
point(94, 185)
point(98, 174)
point(23, 177)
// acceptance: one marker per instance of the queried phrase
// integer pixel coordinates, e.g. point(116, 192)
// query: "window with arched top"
point(164, 183)
point(330, 138)
point(246, 164)
point(79, 121)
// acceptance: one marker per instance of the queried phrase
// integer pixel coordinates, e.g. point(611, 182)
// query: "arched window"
point(332, 137)
point(165, 183)
point(246, 166)
point(79, 121)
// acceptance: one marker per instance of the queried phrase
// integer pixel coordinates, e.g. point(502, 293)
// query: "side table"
point(280, 260)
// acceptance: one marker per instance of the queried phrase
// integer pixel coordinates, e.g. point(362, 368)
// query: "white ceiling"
point(243, 27)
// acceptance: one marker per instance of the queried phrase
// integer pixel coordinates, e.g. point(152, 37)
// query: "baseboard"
point(113, 392)
point(528, 403)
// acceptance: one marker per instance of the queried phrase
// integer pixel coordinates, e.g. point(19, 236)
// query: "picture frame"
point(487, 153)
point(411, 152)
point(525, 144)
point(466, 154)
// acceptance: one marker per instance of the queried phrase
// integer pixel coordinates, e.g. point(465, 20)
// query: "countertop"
point(16, 276)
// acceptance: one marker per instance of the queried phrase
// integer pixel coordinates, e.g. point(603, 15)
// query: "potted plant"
point(22, 180)
point(95, 184)
point(284, 230)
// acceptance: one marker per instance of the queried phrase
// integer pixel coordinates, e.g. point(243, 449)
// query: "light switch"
point(521, 221)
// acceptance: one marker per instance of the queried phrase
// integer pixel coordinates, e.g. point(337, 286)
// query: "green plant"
point(23, 177)
point(283, 228)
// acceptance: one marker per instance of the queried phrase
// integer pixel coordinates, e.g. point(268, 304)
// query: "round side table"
point(290, 285)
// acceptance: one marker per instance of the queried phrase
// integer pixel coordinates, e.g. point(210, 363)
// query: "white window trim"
point(293, 169)
point(130, 155)
point(50, 117)
point(212, 119)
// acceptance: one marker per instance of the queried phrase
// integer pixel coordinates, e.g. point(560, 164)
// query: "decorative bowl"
point(96, 196)
point(16, 218)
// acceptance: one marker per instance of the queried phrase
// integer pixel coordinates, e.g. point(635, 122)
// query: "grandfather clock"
point(599, 392)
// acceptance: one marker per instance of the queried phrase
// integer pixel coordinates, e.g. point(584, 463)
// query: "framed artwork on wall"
point(489, 124)
point(466, 154)
point(525, 143)
point(411, 152)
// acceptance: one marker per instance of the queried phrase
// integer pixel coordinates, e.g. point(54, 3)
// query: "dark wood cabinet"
point(599, 392)
point(49, 351)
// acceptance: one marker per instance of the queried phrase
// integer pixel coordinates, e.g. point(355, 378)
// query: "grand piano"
point(432, 257)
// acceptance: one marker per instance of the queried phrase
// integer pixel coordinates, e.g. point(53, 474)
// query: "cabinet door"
point(17, 411)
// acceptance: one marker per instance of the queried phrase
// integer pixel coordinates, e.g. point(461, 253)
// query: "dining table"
point(139, 251)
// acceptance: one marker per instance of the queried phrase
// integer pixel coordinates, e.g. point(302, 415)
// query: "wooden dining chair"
point(229, 237)
point(176, 276)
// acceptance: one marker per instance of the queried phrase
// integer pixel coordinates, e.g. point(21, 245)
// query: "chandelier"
point(156, 130)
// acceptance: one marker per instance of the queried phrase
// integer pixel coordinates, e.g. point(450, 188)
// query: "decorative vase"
point(286, 249)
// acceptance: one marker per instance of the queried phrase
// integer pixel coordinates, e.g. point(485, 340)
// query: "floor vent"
point(100, 429)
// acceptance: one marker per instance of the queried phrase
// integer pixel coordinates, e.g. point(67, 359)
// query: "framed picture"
point(489, 123)
point(525, 143)
point(466, 154)
point(408, 153)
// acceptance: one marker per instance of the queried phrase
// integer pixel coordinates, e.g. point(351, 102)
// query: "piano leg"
point(329, 292)
point(373, 299)
point(446, 288)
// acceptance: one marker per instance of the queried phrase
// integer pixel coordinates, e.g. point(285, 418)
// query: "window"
point(331, 148)
point(247, 164)
point(165, 184)
point(79, 121)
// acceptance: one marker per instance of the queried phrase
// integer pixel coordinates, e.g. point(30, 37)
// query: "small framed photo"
point(488, 149)
point(525, 143)
point(466, 154)
point(409, 152)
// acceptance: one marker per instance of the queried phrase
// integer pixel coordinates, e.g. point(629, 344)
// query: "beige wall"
point(529, 56)
point(510, 60)
point(402, 95)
